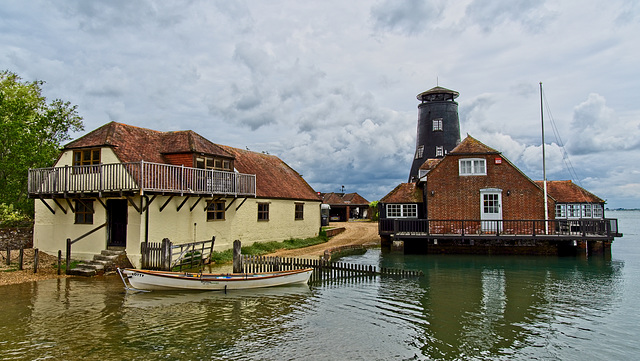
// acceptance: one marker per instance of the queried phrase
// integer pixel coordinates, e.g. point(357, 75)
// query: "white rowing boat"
point(164, 280)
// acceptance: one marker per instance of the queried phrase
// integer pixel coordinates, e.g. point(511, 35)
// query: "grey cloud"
point(488, 14)
point(407, 17)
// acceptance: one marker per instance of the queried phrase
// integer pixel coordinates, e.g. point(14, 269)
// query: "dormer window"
point(86, 161)
point(472, 167)
point(204, 162)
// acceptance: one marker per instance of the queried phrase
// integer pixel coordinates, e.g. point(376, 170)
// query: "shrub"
point(10, 217)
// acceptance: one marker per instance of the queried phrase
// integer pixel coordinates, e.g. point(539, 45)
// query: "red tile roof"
point(340, 199)
point(470, 145)
point(274, 178)
point(133, 144)
point(569, 192)
point(430, 163)
point(404, 193)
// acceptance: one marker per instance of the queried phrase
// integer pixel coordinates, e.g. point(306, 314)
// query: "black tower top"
point(438, 126)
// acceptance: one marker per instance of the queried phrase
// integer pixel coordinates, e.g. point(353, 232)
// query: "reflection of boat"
point(164, 280)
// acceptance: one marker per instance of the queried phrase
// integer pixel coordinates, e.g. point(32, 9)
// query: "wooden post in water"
point(237, 252)
point(21, 259)
point(59, 261)
point(68, 256)
point(35, 260)
point(8, 255)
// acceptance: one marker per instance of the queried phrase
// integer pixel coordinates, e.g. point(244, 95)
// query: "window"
point(299, 212)
point(215, 211)
point(586, 211)
point(86, 158)
point(561, 211)
point(573, 211)
point(437, 125)
point(402, 211)
point(84, 211)
point(439, 151)
point(597, 211)
point(472, 167)
point(491, 203)
point(263, 211)
point(203, 162)
point(419, 152)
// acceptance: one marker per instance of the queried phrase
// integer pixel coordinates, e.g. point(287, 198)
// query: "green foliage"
point(373, 208)
point(9, 217)
point(262, 248)
point(31, 133)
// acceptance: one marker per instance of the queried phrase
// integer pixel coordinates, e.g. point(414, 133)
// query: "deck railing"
point(139, 176)
point(555, 227)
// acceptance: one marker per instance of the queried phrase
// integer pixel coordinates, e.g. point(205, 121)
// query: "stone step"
point(98, 264)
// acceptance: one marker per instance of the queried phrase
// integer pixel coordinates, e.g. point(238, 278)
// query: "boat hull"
point(160, 280)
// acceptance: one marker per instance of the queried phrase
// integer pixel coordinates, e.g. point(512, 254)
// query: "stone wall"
point(16, 238)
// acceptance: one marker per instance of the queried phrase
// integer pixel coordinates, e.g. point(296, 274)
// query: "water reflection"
point(465, 307)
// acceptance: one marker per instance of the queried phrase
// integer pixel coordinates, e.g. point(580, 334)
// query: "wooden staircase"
point(106, 261)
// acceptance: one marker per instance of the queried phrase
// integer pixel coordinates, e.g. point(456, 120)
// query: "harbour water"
point(465, 307)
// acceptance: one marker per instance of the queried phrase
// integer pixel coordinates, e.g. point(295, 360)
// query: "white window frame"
point(587, 211)
point(597, 211)
point(409, 210)
point(561, 211)
point(573, 210)
point(472, 166)
point(439, 151)
point(437, 125)
point(419, 152)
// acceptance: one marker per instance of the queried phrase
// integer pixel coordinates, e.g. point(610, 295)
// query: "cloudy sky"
point(330, 86)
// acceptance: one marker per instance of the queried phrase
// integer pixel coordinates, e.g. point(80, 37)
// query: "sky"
point(330, 87)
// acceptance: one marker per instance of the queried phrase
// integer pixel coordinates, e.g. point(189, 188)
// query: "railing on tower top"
point(139, 176)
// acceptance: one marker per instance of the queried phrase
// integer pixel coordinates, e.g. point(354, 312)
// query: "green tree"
point(373, 207)
point(31, 133)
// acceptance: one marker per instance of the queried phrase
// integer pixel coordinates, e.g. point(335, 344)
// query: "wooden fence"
point(167, 256)
point(324, 269)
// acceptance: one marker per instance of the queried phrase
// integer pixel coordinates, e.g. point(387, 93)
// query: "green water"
point(465, 307)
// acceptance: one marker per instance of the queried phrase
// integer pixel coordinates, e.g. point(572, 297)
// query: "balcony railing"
point(557, 228)
point(139, 177)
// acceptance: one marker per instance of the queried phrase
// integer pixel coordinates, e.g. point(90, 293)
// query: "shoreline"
point(355, 234)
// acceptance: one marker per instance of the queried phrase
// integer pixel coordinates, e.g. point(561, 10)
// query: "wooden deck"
point(552, 230)
point(139, 178)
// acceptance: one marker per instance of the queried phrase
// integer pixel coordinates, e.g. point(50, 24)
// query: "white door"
point(491, 210)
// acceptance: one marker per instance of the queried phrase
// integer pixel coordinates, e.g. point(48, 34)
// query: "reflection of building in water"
point(484, 306)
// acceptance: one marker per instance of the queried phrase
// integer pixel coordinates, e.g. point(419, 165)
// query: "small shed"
point(346, 206)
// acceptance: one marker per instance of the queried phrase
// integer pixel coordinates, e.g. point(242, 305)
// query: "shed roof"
point(340, 199)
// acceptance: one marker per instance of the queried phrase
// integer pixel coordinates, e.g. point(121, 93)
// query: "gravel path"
point(46, 267)
point(356, 233)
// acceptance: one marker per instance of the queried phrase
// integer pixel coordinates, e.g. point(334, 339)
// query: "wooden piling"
point(237, 260)
point(21, 259)
point(35, 260)
point(59, 262)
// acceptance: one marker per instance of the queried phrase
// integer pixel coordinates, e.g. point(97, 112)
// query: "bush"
point(9, 217)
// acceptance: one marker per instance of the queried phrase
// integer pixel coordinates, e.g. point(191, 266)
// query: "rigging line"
point(565, 155)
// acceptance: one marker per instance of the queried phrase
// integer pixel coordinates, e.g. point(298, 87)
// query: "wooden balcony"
point(554, 229)
point(140, 178)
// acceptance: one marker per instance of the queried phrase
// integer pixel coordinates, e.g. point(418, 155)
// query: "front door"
point(491, 210)
point(117, 222)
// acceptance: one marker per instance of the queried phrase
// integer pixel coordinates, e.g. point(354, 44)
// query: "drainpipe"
point(146, 219)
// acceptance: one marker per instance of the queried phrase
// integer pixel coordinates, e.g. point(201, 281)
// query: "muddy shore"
point(356, 233)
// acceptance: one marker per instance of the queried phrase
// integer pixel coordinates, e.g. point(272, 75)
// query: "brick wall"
point(185, 159)
point(458, 197)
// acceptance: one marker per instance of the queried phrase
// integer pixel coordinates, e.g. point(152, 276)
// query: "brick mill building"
point(467, 197)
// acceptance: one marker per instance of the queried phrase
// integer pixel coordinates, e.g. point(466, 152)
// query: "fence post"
point(35, 260)
point(166, 254)
point(68, 257)
point(8, 254)
point(237, 252)
point(21, 258)
point(59, 261)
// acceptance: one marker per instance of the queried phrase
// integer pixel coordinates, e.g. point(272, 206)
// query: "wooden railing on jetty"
point(166, 256)
point(323, 269)
point(138, 177)
point(556, 229)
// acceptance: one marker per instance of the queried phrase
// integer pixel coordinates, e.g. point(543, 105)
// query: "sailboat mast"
point(544, 167)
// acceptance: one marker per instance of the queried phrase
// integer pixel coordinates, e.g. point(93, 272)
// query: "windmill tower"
point(438, 126)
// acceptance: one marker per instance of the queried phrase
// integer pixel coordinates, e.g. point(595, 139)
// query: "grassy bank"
point(262, 248)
